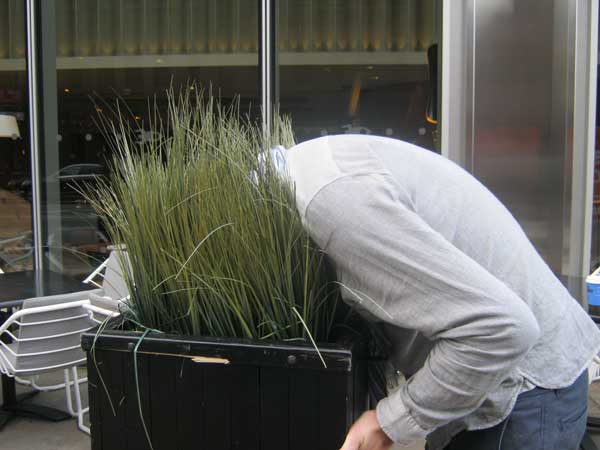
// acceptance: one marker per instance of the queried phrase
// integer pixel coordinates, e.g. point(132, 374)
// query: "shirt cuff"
point(396, 421)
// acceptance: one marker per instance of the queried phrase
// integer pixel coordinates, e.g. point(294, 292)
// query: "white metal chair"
point(111, 295)
point(45, 336)
point(114, 292)
point(594, 370)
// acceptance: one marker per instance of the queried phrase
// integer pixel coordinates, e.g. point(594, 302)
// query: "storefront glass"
point(15, 203)
point(359, 66)
point(130, 51)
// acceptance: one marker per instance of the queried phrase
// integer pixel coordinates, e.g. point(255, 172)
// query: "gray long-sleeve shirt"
point(474, 313)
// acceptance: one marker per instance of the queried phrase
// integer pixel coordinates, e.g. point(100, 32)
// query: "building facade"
point(496, 86)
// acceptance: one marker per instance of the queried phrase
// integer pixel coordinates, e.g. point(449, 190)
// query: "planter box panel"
point(94, 402)
point(304, 425)
point(190, 397)
point(333, 398)
point(135, 436)
point(205, 406)
point(217, 406)
point(112, 411)
point(245, 407)
point(275, 406)
point(162, 370)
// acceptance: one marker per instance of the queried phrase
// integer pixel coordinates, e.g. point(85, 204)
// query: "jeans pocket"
point(571, 430)
point(524, 429)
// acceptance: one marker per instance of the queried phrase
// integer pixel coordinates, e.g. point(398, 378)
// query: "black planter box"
point(217, 394)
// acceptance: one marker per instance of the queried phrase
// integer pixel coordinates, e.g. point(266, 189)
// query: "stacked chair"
point(45, 334)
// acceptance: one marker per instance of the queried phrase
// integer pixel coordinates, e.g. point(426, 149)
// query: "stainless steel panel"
point(521, 113)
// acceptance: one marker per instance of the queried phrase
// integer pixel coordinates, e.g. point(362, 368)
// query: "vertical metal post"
point(454, 104)
point(268, 63)
point(47, 90)
point(34, 132)
point(584, 136)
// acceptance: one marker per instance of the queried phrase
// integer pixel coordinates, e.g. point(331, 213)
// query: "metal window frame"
point(268, 62)
point(34, 130)
point(584, 137)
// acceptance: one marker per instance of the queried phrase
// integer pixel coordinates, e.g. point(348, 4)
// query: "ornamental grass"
point(215, 243)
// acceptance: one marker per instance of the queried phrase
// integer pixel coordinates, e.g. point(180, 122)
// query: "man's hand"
point(366, 434)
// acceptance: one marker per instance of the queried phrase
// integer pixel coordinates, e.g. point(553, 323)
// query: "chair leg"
point(25, 382)
point(54, 387)
point(80, 411)
point(67, 386)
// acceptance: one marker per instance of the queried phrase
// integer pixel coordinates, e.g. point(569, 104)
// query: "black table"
point(15, 288)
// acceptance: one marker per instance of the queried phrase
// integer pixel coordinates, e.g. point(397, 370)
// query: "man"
point(494, 348)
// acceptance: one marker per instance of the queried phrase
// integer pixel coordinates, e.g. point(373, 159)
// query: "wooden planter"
point(217, 394)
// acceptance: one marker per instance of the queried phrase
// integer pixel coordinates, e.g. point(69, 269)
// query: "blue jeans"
point(542, 419)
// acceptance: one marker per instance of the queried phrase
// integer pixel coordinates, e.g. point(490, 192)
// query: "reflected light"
point(67, 90)
point(354, 97)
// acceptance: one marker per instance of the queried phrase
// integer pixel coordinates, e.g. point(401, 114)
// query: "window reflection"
point(357, 67)
point(345, 66)
point(132, 51)
point(15, 207)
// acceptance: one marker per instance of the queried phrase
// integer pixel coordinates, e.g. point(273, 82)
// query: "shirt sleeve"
point(393, 264)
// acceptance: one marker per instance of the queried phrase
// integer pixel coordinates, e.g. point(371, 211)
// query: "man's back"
point(422, 245)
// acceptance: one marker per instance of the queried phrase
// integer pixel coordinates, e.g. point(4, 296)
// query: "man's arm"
point(404, 272)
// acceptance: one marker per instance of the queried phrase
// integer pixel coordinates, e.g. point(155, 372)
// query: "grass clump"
point(216, 245)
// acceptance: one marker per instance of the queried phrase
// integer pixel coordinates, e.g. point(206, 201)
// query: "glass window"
point(15, 174)
point(130, 50)
point(359, 66)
